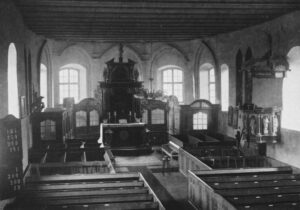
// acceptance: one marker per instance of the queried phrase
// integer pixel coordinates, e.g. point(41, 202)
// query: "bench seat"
point(170, 149)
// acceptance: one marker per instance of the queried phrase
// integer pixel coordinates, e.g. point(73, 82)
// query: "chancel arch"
point(290, 92)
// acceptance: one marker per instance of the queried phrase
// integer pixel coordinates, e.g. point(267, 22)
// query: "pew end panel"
point(171, 149)
point(189, 162)
point(11, 155)
point(155, 198)
point(202, 196)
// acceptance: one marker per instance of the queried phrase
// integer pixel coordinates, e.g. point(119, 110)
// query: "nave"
point(202, 171)
point(149, 104)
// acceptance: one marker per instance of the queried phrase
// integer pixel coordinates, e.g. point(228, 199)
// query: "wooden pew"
point(190, 159)
point(110, 191)
point(112, 206)
point(172, 147)
point(257, 188)
point(11, 154)
point(203, 139)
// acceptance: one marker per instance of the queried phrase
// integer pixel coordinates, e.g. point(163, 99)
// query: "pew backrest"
point(11, 170)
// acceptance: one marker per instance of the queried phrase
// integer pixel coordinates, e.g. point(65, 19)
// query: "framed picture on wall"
point(230, 115)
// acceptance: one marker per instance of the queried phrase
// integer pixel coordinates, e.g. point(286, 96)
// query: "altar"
point(122, 135)
point(121, 128)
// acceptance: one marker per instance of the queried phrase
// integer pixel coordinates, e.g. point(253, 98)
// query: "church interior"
point(157, 104)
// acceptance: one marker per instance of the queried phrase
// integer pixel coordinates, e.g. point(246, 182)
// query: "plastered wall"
point(13, 30)
point(188, 55)
point(266, 92)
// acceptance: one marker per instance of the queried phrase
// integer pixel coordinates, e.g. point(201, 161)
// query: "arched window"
point(71, 82)
point(12, 78)
point(207, 82)
point(172, 82)
point(212, 86)
point(68, 84)
point(290, 92)
point(43, 83)
point(225, 87)
point(200, 121)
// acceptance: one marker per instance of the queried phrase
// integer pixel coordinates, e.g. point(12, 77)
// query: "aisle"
point(171, 187)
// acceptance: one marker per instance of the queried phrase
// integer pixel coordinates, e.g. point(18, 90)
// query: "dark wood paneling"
point(134, 20)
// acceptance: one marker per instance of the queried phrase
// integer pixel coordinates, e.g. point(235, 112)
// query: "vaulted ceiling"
point(146, 20)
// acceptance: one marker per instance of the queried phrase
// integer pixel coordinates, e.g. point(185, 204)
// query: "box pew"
point(81, 160)
point(39, 154)
point(222, 157)
point(190, 159)
point(71, 150)
point(71, 168)
point(11, 155)
point(112, 206)
point(187, 162)
point(255, 188)
point(204, 139)
point(110, 191)
point(219, 162)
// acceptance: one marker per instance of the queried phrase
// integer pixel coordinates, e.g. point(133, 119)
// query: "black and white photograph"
point(149, 104)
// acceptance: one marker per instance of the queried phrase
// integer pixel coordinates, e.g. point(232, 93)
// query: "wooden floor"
point(151, 167)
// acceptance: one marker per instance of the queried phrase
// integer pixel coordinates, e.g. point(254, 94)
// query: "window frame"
point(44, 73)
point(224, 95)
point(211, 83)
point(200, 125)
point(173, 83)
point(12, 81)
point(69, 83)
